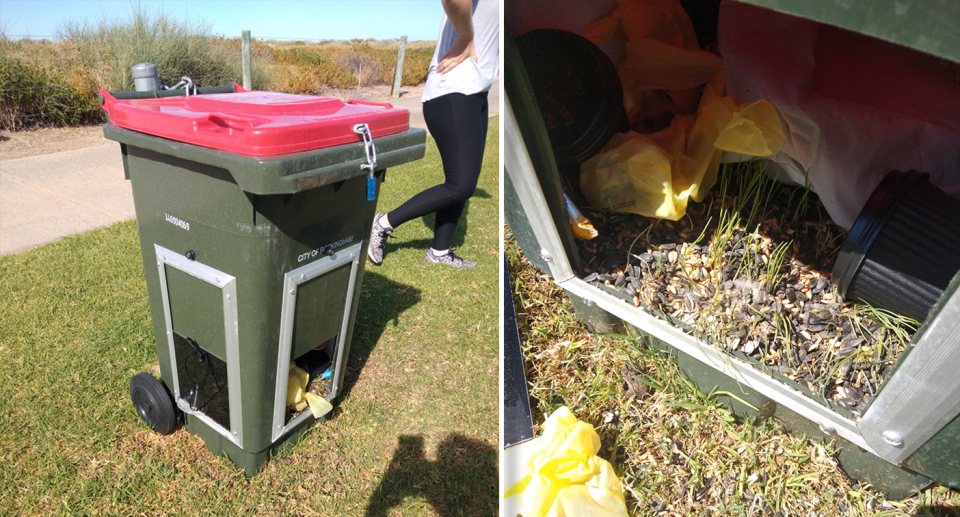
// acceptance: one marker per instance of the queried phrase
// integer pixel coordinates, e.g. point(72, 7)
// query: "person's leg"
point(471, 158)
point(458, 124)
point(455, 124)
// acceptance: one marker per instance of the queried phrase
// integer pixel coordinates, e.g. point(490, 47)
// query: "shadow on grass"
point(462, 481)
point(382, 301)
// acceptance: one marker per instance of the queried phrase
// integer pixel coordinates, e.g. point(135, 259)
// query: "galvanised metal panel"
point(524, 122)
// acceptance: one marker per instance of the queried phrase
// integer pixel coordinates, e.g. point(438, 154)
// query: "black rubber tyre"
point(153, 403)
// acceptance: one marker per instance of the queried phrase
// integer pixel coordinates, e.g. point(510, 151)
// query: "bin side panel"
point(195, 309)
point(595, 318)
point(319, 312)
point(939, 458)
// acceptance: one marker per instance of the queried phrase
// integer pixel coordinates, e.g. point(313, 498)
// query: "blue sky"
point(328, 19)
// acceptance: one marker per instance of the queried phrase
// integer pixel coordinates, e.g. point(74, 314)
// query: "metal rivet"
point(302, 277)
point(827, 429)
point(164, 257)
point(218, 280)
point(545, 255)
point(228, 296)
point(893, 438)
point(293, 291)
point(353, 255)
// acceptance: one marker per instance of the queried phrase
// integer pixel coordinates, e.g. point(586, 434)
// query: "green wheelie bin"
point(253, 210)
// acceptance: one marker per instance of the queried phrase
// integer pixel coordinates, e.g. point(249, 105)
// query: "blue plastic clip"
point(326, 375)
point(371, 189)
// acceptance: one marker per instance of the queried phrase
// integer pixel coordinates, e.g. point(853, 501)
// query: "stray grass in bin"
point(742, 271)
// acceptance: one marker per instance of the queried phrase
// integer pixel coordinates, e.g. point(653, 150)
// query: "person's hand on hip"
point(460, 50)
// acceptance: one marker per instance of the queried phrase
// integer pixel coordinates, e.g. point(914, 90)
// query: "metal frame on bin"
point(291, 283)
point(228, 285)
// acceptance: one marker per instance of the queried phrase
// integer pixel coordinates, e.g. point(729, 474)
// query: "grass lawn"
point(675, 449)
point(415, 432)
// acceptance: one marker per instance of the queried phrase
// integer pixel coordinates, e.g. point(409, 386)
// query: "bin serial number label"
point(177, 222)
point(323, 249)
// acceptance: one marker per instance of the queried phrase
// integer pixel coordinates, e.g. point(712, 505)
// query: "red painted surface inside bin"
point(255, 123)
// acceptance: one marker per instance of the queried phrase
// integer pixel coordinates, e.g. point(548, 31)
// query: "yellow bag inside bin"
point(669, 81)
point(656, 175)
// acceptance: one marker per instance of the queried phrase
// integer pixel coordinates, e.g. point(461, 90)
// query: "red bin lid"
point(255, 123)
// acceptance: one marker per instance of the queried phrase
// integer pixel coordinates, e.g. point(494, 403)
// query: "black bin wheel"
point(153, 403)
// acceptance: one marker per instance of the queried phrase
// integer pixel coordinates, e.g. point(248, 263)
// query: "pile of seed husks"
point(760, 288)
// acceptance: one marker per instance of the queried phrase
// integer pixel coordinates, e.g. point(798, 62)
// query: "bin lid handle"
point(357, 102)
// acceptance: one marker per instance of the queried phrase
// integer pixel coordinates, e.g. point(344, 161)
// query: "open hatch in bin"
point(255, 123)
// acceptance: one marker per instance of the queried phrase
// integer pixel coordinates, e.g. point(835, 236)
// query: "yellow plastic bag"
point(319, 406)
point(658, 66)
point(656, 175)
point(565, 477)
point(661, 20)
point(296, 385)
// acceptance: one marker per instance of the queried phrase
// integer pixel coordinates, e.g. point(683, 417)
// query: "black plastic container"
point(904, 247)
point(578, 91)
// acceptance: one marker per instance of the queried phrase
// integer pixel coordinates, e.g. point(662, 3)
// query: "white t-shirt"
point(469, 76)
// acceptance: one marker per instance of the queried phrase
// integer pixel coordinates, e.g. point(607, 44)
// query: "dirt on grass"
point(49, 140)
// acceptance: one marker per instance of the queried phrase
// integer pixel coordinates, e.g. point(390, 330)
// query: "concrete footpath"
point(44, 198)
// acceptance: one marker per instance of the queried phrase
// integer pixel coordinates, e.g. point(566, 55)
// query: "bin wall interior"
point(929, 26)
point(940, 456)
point(254, 241)
point(857, 462)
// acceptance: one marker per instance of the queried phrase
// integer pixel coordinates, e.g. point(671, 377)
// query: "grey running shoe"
point(449, 259)
point(378, 239)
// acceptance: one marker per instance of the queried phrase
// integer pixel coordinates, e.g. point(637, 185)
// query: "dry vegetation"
point(44, 83)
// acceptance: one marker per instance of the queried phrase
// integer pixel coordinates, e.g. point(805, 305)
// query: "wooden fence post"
point(247, 73)
point(397, 79)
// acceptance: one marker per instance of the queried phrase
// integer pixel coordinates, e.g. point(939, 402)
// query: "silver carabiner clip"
point(371, 166)
point(368, 147)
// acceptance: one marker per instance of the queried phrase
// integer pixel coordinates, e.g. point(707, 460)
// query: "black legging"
point(458, 123)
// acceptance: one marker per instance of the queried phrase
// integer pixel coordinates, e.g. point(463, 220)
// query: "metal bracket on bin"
point(228, 286)
point(348, 257)
point(371, 166)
